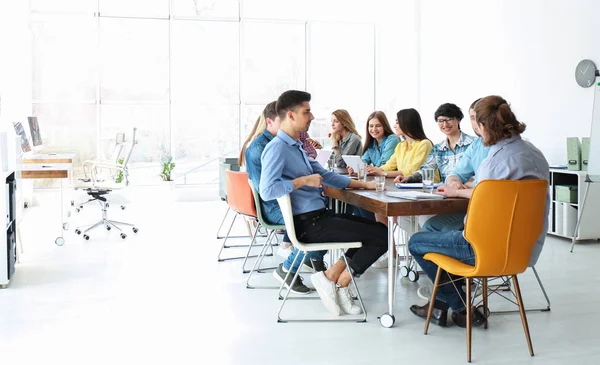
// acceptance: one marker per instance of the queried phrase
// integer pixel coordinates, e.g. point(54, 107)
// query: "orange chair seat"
point(450, 264)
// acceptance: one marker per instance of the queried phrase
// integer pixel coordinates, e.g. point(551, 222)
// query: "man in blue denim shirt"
point(288, 170)
point(270, 208)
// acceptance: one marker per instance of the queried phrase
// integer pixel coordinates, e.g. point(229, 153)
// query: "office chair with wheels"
point(98, 188)
point(102, 174)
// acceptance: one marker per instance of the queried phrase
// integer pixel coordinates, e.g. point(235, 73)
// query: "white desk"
point(49, 166)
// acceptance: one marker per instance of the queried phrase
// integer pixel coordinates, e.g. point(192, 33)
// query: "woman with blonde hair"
point(259, 127)
point(345, 137)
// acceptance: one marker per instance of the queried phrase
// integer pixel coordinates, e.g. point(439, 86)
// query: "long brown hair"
point(344, 117)
point(387, 130)
point(409, 121)
point(494, 115)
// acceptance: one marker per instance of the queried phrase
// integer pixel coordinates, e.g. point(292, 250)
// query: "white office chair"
point(286, 210)
point(110, 173)
point(97, 188)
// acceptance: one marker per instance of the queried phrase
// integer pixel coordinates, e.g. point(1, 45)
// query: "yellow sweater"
point(408, 159)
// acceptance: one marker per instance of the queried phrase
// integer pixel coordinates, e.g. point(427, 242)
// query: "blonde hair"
point(259, 127)
point(344, 117)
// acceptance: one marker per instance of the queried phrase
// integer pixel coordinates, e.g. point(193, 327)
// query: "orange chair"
point(241, 201)
point(504, 220)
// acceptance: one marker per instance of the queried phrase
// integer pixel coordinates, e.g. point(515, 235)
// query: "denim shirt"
point(379, 155)
point(270, 209)
point(284, 160)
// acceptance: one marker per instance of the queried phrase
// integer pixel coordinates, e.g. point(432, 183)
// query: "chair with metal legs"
point(241, 201)
point(271, 234)
point(502, 239)
point(505, 286)
point(97, 188)
point(286, 210)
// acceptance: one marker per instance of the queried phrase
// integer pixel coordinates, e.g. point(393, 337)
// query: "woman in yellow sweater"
point(409, 154)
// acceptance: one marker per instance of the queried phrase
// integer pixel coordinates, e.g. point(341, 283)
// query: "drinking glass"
point(362, 172)
point(379, 183)
point(427, 174)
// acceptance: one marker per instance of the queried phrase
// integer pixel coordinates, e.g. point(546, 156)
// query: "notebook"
point(414, 195)
point(414, 185)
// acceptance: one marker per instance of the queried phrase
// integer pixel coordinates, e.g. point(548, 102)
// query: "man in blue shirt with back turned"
point(286, 169)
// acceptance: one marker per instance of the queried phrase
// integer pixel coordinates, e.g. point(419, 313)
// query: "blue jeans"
point(287, 264)
point(360, 212)
point(445, 223)
point(451, 244)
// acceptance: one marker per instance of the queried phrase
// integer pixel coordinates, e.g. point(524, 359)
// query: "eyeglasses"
point(446, 120)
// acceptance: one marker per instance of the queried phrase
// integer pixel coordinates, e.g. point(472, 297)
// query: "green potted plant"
point(167, 168)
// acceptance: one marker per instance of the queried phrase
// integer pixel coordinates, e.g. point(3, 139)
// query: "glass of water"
point(379, 183)
point(427, 174)
point(362, 172)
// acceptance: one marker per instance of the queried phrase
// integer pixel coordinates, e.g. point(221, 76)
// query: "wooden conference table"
point(379, 203)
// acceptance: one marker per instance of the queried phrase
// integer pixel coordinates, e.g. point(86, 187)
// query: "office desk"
point(49, 166)
point(379, 203)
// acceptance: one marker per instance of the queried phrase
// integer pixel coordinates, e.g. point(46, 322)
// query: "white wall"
point(525, 51)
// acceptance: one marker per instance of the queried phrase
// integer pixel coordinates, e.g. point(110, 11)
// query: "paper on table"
point(414, 185)
point(413, 195)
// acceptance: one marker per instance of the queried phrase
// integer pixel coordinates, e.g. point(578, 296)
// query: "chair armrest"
point(108, 166)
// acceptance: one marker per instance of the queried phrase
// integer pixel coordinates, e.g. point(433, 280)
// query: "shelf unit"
point(565, 215)
point(8, 240)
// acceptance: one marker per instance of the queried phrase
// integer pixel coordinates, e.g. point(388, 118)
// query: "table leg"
point(388, 319)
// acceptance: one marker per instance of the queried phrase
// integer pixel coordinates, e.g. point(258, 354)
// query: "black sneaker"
point(315, 265)
point(297, 288)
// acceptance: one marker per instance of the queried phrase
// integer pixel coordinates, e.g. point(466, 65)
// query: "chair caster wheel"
point(86, 237)
point(107, 205)
point(108, 228)
point(122, 207)
point(135, 230)
point(413, 276)
point(72, 203)
point(387, 320)
point(77, 210)
point(123, 235)
point(81, 207)
point(59, 241)
point(78, 231)
point(65, 226)
point(404, 271)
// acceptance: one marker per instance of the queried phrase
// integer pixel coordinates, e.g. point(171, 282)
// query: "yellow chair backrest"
point(504, 220)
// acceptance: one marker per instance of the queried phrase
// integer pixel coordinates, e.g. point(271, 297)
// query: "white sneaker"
point(346, 302)
point(284, 252)
point(327, 292)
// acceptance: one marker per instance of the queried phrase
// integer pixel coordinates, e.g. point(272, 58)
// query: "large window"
point(191, 75)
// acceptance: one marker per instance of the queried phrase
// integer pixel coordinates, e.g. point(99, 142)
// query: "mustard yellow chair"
point(504, 220)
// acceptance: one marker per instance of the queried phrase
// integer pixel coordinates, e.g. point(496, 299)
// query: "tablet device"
point(352, 161)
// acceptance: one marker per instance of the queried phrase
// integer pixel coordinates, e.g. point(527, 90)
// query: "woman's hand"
point(350, 170)
point(402, 179)
point(372, 170)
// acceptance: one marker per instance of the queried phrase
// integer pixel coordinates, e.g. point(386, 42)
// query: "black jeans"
point(325, 226)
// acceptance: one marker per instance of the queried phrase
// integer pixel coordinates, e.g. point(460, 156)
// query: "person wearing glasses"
point(445, 155)
point(509, 158)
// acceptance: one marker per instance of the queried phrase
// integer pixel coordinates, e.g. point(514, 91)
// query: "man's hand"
point(313, 180)
point(456, 185)
point(447, 191)
point(316, 145)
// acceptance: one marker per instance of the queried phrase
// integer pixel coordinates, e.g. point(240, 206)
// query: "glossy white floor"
point(161, 297)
